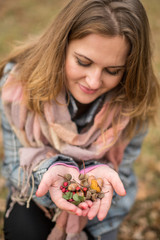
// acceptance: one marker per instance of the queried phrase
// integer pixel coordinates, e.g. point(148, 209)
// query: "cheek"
point(118, 81)
point(67, 69)
point(72, 71)
point(112, 82)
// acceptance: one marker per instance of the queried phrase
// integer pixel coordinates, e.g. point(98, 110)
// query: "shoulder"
point(7, 69)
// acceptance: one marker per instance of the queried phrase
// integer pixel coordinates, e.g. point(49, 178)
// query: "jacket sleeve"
point(131, 153)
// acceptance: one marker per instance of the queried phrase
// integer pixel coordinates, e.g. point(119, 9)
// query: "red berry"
point(74, 193)
point(65, 184)
point(61, 187)
point(78, 188)
point(67, 190)
point(71, 200)
point(85, 189)
point(63, 190)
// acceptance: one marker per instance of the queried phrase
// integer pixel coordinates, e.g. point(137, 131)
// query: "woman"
point(83, 91)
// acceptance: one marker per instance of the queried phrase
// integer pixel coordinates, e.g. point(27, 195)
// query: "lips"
point(87, 90)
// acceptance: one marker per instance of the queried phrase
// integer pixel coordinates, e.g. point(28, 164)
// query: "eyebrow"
point(81, 55)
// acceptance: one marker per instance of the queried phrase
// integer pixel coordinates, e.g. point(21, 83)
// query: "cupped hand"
point(112, 182)
point(52, 180)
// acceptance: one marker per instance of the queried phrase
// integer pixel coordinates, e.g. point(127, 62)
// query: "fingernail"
point(84, 208)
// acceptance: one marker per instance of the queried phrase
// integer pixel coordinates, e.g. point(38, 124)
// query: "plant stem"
point(61, 176)
point(84, 166)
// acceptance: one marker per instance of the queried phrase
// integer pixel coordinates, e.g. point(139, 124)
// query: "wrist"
point(86, 170)
point(65, 165)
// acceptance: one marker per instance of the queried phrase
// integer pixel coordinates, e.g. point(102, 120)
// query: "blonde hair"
point(41, 62)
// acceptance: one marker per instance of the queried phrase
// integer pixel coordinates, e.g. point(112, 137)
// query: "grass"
point(20, 19)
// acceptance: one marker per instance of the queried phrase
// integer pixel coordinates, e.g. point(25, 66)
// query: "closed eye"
point(113, 73)
point(82, 63)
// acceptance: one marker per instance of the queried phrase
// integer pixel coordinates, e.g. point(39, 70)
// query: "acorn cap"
point(101, 195)
point(88, 195)
point(68, 176)
point(94, 196)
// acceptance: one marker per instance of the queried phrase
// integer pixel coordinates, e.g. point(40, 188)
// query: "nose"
point(94, 78)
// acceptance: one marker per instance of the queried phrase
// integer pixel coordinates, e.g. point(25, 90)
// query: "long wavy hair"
point(41, 61)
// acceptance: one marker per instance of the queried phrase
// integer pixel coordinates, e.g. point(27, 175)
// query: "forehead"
point(101, 49)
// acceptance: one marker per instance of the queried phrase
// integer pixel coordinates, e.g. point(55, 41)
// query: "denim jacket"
point(120, 205)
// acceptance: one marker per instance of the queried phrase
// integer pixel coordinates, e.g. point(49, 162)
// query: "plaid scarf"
point(56, 129)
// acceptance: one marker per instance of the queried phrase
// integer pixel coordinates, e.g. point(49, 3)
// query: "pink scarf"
point(56, 128)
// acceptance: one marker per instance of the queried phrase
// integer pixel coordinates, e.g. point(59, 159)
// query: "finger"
point(69, 207)
point(63, 204)
point(85, 212)
point(116, 183)
point(94, 209)
point(104, 207)
point(89, 202)
point(45, 184)
point(78, 212)
point(83, 205)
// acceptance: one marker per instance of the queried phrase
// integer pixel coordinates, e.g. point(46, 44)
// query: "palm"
point(111, 181)
point(52, 180)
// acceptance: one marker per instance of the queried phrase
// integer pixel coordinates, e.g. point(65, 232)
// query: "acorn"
point(81, 176)
point(100, 182)
point(85, 183)
point(72, 187)
point(100, 195)
point(80, 193)
point(94, 196)
point(95, 186)
point(86, 176)
point(90, 178)
point(93, 191)
point(88, 195)
point(68, 176)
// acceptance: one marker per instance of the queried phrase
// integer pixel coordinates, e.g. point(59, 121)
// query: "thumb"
point(45, 184)
point(116, 183)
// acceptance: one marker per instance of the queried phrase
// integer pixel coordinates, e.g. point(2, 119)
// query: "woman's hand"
point(111, 182)
point(52, 181)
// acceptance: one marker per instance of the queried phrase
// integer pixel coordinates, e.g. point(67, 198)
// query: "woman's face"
point(94, 65)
